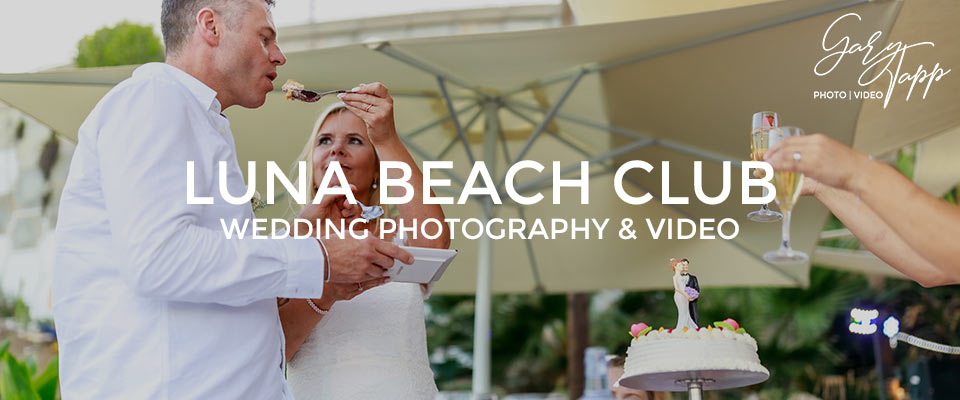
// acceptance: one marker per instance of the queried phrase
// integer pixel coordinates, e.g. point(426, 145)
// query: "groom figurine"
point(692, 283)
point(151, 299)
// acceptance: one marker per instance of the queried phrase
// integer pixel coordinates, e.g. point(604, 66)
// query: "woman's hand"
point(819, 157)
point(373, 104)
point(334, 291)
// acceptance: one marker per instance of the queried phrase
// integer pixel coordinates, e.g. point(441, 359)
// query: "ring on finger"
point(369, 106)
point(359, 287)
point(796, 156)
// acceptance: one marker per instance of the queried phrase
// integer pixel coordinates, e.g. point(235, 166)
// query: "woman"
point(680, 296)
point(346, 346)
point(906, 227)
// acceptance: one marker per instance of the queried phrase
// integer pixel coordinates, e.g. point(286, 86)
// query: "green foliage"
point(527, 339)
point(21, 312)
point(907, 160)
point(19, 381)
point(953, 196)
point(124, 44)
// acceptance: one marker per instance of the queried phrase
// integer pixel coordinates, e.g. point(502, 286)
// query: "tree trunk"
point(578, 336)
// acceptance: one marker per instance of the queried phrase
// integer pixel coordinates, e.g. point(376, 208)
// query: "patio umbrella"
point(676, 89)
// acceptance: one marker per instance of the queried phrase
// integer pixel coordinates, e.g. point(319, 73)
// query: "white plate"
point(428, 266)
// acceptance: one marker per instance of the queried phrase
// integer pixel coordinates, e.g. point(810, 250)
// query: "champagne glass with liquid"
point(787, 185)
point(763, 121)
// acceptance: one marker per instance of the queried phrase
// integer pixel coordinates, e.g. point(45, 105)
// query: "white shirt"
point(151, 300)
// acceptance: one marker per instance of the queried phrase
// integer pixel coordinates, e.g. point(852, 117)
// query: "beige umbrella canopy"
point(880, 130)
point(667, 94)
point(678, 89)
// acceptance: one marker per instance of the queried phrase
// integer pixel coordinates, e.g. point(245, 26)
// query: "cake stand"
point(694, 382)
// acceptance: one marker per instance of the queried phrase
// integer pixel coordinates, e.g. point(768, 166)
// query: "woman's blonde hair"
point(307, 155)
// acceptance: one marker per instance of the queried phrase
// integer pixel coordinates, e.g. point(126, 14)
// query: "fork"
point(310, 96)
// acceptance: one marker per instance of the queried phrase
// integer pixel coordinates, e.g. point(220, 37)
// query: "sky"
point(41, 34)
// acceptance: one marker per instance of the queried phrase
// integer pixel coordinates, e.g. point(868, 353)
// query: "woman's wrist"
point(387, 140)
point(324, 304)
point(854, 183)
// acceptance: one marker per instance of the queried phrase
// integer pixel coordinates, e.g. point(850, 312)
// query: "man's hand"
point(358, 260)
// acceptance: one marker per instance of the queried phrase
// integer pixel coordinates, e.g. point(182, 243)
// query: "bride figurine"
point(686, 290)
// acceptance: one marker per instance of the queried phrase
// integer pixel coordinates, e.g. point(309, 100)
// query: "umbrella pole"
point(481, 323)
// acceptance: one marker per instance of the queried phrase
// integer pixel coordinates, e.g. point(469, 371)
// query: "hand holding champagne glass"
point(788, 186)
point(763, 121)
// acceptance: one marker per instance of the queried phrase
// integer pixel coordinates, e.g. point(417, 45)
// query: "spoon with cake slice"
point(294, 91)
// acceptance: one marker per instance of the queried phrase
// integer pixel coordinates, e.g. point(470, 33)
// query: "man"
point(151, 299)
point(614, 373)
point(692, 283)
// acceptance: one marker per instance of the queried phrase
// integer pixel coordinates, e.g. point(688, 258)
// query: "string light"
point(925, 344)
point(863, 322)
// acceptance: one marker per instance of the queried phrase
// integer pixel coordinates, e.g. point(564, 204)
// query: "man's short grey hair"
point(177, 18)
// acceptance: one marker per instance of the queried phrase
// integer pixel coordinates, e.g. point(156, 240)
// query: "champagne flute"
point(763, 121)
point(787, 185)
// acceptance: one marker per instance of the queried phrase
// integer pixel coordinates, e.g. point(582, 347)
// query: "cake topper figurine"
point(686, 291)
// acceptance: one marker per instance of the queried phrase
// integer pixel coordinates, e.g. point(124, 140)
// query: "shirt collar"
point(204, 94)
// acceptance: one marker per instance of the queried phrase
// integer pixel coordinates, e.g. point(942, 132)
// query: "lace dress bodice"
point(371, 347)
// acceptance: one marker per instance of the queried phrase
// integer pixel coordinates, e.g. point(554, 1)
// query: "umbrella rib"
point(582, 121)
point(416, 132)
point(665, 143)
point(454, 141)
point(456, 121)
point(602, 158)
point(546, 120)
point(558, 134)
point(534, 267)
point(504, 148)
point(388, 49)
point(423, 154)
point(594, 159)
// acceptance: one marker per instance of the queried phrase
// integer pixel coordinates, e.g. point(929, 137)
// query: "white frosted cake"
point(711, 352)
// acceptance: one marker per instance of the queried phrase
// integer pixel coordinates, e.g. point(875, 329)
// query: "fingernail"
point(355, 88)
point(340, 95)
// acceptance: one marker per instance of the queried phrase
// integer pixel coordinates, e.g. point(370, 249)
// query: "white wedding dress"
point(683, 306)
point(371, 347)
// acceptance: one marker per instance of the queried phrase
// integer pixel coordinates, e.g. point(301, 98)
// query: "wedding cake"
point(723, 353)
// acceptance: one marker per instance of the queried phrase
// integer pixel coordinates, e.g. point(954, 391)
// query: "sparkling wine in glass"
point(788, 185)
point(763, 121)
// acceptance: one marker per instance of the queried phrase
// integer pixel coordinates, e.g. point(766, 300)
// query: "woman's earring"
point(374, 185)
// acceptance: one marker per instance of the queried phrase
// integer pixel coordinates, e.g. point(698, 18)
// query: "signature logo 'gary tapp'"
point(883, 60)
